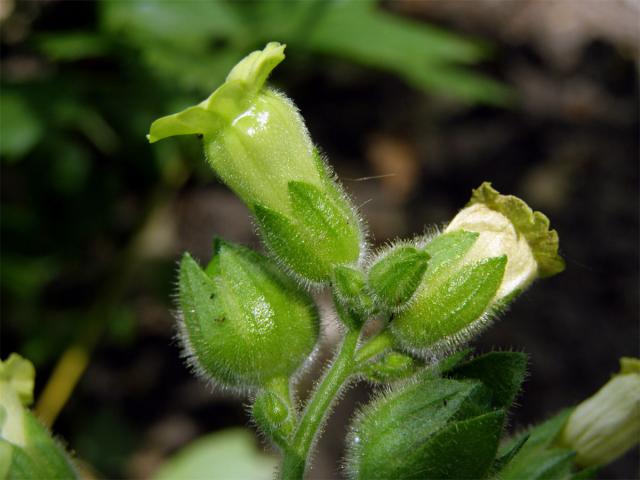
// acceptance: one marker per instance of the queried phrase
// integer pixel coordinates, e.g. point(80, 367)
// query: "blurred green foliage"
point(231, 454)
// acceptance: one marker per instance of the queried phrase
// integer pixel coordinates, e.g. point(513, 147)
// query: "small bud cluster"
point(248, 322)
point(436, 293)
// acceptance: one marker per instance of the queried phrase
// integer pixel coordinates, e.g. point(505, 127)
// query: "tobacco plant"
point(248, 322)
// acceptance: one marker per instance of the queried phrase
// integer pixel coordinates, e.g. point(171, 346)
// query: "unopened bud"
point(256, 141)
point(244, 322)
point(606, 425)
point(396, 275)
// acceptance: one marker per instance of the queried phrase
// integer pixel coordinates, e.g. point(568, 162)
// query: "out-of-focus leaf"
point(191, 24)
point(539, 458)
point(106, 441)
point(121, 325)
point(24, 277)
point(71, 46)
point(70, 167)
point(20, 126)
point(426, 56)
point(228, 455)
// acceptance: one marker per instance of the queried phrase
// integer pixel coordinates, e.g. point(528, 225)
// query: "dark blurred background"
point(431, 97)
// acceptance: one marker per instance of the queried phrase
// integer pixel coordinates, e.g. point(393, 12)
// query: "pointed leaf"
point(501, 372)
point(506, 454)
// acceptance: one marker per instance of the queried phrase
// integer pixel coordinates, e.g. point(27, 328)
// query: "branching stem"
point(317, 409)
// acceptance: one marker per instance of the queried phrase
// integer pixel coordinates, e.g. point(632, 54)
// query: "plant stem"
point(295, 458)
point(374, 347)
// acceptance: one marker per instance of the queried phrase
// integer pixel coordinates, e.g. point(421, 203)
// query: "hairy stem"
point(295, 458)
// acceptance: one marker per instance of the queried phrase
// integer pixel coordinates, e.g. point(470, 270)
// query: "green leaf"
point(426, 56)
point(449, 362)
point(538, 458)
point(396, 274)
point(349, 282)
point(464, 449)
point(22, 128)
point(392, 431)
point(190, 26)
point(549, 464)
point(70, 46)
point(506, 454)
point(586, 474)
point(228, 455)
point(502, 372)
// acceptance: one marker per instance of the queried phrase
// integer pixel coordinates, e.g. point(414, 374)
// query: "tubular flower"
point(256, 141)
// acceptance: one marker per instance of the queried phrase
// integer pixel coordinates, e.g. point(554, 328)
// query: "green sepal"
point(396, 275)
point(539, 458)
point(445, 251)
point(244, 321)
point(331, 229)
point(230, 99)
point(533, 225)
point(281, 236)
point(392, 367)
point(350, 284)
point(445, 315)
point(502, 372)
point(317, 237)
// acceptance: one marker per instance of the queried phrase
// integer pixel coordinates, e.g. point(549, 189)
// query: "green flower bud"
point(257, 142)
point(351, 290)
point(244, 322)
point(492, 250)
point(391, 367)
point(26, 447)
point(396, 274)
point(606, 425)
